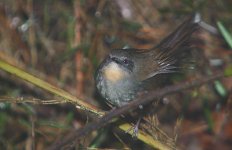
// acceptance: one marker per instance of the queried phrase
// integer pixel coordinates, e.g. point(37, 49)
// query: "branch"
point(143, 100)
point(48, 87)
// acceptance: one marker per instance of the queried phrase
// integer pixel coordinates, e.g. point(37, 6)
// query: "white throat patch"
point(113, 72)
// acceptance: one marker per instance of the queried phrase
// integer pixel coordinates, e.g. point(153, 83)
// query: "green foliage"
point(131, 26)
point(220, 88)
point(225, 33)
point(228, 71)
point(3, 122)
point(208, 114)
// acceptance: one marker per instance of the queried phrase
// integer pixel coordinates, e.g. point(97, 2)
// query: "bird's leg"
point(135, 128)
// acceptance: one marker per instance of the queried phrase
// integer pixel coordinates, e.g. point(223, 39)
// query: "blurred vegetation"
point(62, 42)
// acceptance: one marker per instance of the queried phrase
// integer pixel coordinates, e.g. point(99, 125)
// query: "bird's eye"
point(126, 61)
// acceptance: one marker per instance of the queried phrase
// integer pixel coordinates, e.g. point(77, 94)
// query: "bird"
point(122, 75)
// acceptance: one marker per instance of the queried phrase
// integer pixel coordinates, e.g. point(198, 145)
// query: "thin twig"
point(144, 99)
point(30, 100)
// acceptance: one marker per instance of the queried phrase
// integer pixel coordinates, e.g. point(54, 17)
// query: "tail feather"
point(181, 34)
point(174, 50)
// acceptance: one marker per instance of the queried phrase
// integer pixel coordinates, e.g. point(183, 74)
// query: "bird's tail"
point(174, 49)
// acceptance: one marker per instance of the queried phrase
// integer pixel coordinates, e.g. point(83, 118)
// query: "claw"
point(135, 128)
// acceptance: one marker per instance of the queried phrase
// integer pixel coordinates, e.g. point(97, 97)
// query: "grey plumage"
point(120, 75)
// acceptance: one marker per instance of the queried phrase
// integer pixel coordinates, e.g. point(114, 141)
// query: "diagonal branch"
point(48, 87)
point(144, 99)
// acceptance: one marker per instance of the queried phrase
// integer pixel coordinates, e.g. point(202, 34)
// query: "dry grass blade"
point(146, 138)
point(30, 100)
point(48, 87)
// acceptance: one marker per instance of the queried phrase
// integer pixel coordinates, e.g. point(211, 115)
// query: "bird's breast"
point(116, 85)
point(114, 73)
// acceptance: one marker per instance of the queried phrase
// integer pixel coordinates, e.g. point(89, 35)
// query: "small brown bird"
point(122, 74)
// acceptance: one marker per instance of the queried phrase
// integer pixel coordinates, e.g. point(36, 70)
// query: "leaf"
point(228, 71)
point(220, 88)
point(225, 33)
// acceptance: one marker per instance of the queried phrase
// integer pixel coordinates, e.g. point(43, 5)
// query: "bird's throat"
point(114, 73)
